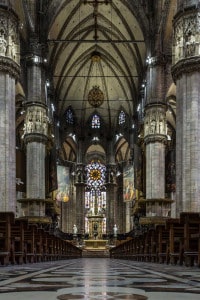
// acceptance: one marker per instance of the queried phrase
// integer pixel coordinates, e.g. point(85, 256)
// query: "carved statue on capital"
point(9, 37)
point(153, 125)
point(155, 122)
point(161, 125)
point(3, 43)
point(12, 44)
point(34, 45)
point(178, 41)
point(186, 37)
point(190, 46)
point(36, 121)
point(3, 32)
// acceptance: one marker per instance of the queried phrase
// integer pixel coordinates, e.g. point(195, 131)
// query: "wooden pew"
point(18, 229)
point(29, 244)
point(176, 235)
point(191, 243)
point(23, 242)
point(176, 242)
point(150, 246)
point(51, 246)
point(6, 221)
point(154, 244)
point(39, 244)
point(162, 234)
point(123, 250)
point(140, 256)
point(44, 237)
point(131, 248)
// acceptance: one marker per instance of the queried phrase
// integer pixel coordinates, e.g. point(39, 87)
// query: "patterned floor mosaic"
point(99, 278)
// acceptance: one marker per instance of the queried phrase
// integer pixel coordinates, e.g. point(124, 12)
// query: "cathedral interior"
point(99, 151)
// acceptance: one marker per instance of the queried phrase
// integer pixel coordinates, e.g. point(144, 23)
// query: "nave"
point(99, 278)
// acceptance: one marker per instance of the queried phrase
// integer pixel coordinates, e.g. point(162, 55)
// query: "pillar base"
point(158, 207)
point(36, 220)
point(186, 216)
point(153, 220)
point(32, 208)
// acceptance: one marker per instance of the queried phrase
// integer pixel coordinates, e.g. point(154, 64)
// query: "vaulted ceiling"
point(96, 44)
point(95, 47)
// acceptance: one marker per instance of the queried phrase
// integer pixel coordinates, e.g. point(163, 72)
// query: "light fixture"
point(19, 181)
point(168, 137)
point(139, 107)
point(65, 198)
point(118, 173)
point(149, 60)
point(118, 135)
point(73, 136)
point(52, 107)
point(36, 58)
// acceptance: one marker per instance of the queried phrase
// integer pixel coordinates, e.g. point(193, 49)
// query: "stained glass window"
point(122, 117)
point(69, 116)
point(95, 174)
point(95, 196)
point(96, 121)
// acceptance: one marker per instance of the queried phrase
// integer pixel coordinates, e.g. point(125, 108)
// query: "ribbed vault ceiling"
point(96, 44)
point(101, 44)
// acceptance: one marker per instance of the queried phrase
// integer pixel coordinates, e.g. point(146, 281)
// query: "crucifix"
point(95, 4)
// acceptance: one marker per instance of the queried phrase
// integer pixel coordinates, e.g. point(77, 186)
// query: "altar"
point(95, 226)
point(95, 244)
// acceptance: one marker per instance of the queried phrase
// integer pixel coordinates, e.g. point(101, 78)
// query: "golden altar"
point(95, 244)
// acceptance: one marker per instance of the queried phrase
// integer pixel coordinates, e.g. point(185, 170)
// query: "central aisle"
point(99, 278)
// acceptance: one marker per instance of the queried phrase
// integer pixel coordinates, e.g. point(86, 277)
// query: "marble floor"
point(99, 278)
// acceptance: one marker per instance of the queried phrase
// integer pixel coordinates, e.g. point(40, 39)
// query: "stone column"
point(79, 200)
point(120, 205)
point(35, 136)
point(111, 218)
point(111, 198)
point(186, 74)
point(129, 226)
point(79, 217)
point(9, 72)
point(171, 178)
point(155, 139)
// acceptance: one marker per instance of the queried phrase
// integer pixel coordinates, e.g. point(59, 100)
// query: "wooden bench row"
point(21, 242)
point(175, 242)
